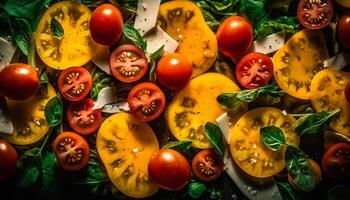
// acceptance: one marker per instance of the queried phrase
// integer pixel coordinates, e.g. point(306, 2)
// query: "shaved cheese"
point(269, 44)
point(6, 125)
point(116, 108)
point(156, 38)
point(146, 15)
point(101, 59)
point(338, 62)
point(224, 125)
point(106, 96)
point(7, 50)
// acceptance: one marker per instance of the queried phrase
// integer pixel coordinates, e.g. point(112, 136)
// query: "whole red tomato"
point(174, 71)
point(106, 24)
point(8, 159)
point(19, 81)
point(234, 35)
point(169, 169)
point(344, 29)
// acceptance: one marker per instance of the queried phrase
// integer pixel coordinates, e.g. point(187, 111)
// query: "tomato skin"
point(234, 36)
point(347, 92)
point(344, 30)
point(106, 24)
point(209, 161)
point(336, 161)
point(169, 169)
point(309, 11)
point(174, 71)
point(19, 81)
point(8, 161)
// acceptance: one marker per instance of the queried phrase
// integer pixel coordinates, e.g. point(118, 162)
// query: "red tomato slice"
point(207, 165)
point(82, 118)
point(254, 70)
point(128, 63)
point(72, 151)
point(146, 101)
point(315, 14)
point(75, 83)
point(336, 161)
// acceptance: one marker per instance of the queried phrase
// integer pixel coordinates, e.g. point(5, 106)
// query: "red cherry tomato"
point(19, 81)
point(336, 161)
point(254, 70)
point(169, 169)
point(347, 92)
point(75, 83)
point(315, 14)
point(72, 151)
point(82, 118)
point(106, 24)
point(234, 35)
point(8, 159)
point(207, 165)
point(174, 71)
point(146, 101)
point(128, 63)
point(344, 29)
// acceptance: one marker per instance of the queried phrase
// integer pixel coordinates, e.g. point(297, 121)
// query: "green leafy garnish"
point(21, 33)
point(100, 81)
point(286, 191)
point(180, 146)
point(254, 10)
point(215, 136)
point(266, 27)
point(43, 78)
point(272, 137)
point(153, 62)
point(54, 111)
point(131, 33)
point(56, 29)
point(29, 168)
point(196, 189)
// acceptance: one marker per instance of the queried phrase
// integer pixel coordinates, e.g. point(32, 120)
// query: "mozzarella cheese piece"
point(106, 96)
point(101, 59)
point(7, 50)
point(224, 125)
point(269, 44)
point(338, 62)
point(116, 108)
point(146, 15)
point(155, 39)
point(6, 125)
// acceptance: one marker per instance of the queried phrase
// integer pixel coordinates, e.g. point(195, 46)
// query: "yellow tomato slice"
point(125, 146)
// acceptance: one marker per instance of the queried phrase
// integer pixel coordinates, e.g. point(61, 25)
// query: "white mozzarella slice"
point(116, 108)
point(101, 59)
point(7, 51)
point(6, 125)
point(146, 15)
point(106, 96)
point(338, 62)
point(269, 44)
point(156, 38)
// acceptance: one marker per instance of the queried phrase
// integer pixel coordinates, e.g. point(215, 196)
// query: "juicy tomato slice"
point(82, 118)
point(128, 63)
point(336, 161)
point(146, 101)
point(72, 151)
point(315, 14)
point(207, 165)
point(254, 70)
point(75, 83)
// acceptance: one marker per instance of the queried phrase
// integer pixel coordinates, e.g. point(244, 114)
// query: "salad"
point(154, 99)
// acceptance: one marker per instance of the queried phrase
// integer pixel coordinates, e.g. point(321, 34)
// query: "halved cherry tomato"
point(128, 63)
point(336, 161)
point(72, 151)
point(207, 165)
point(146, 101)
point(254, 70)
point(347, 92)
point(82, 118)
point(315, 14)
point(75, 83)
point(8, 161)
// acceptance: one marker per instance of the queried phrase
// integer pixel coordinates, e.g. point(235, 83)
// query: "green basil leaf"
point(134, 35)
point(21, 33)
point(253, 9)
point(101, 80)
point(272, 137)
point(29, 177)
point(48, 170)
point(196, 189)
point(44, 79)
point(286, 191)
point(267, 27)
point(180, 146)
point(215, 136)
point(22, 8)
point(315, 122)
point(54, 111)
point(56, 29)
point(154, 57)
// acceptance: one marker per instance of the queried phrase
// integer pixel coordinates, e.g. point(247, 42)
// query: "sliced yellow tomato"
point(125, 146)
point(196, 105)
point(327, 94)
point(247, 149)
point(344, 3)
point(296, 63)
point(76, 47)
point(28, 118)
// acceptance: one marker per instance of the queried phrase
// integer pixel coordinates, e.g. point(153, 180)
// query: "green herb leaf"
point(23, 8)
point(131, 33)
point(54, 111)
point(267, 27)
point(253, 9)
point(315, 122)
point(43, 78)
point(21, 33)
point(272, 137)
point(215, 136)
point(196, 189)
point(153, 62)
point(101, 80)
point(48, 169)
point(286, 191)
point(28, 168)
point(30, 176)
point(56, 29)
point(180, 146)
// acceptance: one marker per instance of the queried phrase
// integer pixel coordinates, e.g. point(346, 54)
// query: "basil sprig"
point(180, 146)
point(56, 29)
point(131, 33)
point(215, 136)
point(54, 111)
point(196, 189)
point(153, 63)
point(272, 137)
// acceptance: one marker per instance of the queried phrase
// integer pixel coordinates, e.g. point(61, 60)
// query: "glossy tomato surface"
point(106, 24)
point(19, 81)
point(344, 29)
point(336, 161)
point(169, 169)
point(146, 101)
point(174, 71)
point(315, 14)
point(8, 159)
point(207, 165)
point(82, 118)
point(254, 70)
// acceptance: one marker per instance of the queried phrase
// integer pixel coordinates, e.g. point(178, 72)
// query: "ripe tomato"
point(82, 118)
point(169, 169)
point(75, 83)
point(347, 92)
point(106, 24)
point(234, 35)
point(146, 101)
point(128, 63)
point(316, 170)
point(19, 81)
point(174, 71)
point(336, 161)
point(254, 70)
point(72, 151)
point(207, 165)
point(315, 14)
point(344, 29)
point(8, 161)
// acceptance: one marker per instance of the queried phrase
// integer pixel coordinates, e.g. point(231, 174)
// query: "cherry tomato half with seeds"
point(315, 14)
point(82, 118)
point(71, 150)
point(75, 83)
point(128, 63)
point(146, 101)
point(344, 29)
point(254, 70)
point(207, 165)
point(8, 159)
point(336, 161)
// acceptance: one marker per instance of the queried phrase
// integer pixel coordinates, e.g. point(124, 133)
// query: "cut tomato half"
point(315, 14)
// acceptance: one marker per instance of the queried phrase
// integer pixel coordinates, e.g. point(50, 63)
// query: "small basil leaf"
point(48, 169)
point(43, 78)
point(180, 146)
point(286, 191)
point(56, 29)
point(21, 33)
point(196, 189)
point(229, 100)
point(215, 136)
point(272, 137)
point(131, 33)
point(54, 111)
point(154, 57)
point(29, 177)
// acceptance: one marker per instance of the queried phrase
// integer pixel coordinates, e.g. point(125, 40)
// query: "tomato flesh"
point(207, 165)
point(344, 30)
point(336, 161)
point(315, 14)
point(8, 161)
